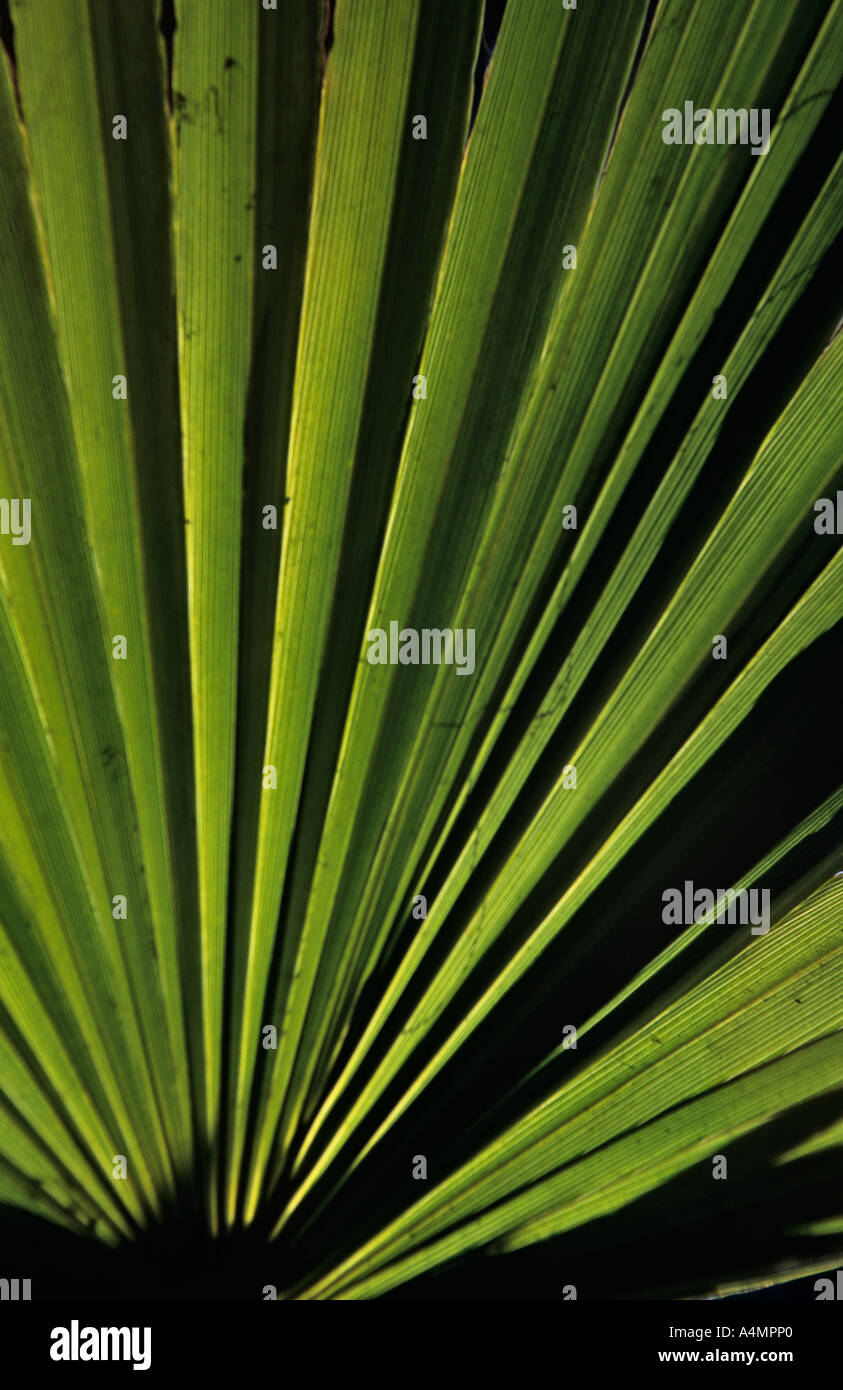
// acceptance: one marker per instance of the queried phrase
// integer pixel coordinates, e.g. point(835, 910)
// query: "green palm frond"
point(304, 340)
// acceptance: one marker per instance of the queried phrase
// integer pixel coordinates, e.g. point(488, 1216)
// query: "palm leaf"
point(310, 325)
